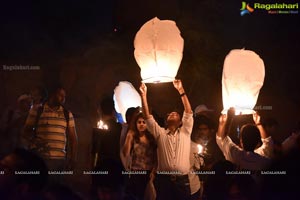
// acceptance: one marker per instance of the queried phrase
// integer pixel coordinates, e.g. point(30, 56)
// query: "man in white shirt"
point(173, 149)
point(249, 157)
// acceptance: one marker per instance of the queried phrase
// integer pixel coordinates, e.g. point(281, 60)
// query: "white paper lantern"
point(243, 77)
point(158, 50)
point(126, 96)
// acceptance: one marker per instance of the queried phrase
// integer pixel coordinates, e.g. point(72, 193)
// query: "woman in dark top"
point(141, 146)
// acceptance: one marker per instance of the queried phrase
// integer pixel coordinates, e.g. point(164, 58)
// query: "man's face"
point(60, 96)
point(173, 117)
point(203, 130)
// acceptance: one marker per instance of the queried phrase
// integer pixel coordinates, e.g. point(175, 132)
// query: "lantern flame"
point(101, 125)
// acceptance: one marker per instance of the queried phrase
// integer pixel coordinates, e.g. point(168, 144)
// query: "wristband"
point(181, 95)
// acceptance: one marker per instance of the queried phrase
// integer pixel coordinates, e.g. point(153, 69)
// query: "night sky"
point(89, 47)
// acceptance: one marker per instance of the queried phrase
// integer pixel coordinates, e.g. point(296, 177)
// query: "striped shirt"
point(50, 138)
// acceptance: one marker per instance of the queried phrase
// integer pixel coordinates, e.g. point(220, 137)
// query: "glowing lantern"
point(158, 50)
point(126, 96)
point(243, 77)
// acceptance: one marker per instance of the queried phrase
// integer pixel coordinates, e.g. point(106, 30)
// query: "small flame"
point(101, 125)
point(200, 149)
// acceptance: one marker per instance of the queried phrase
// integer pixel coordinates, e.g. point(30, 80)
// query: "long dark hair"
point(136, 136)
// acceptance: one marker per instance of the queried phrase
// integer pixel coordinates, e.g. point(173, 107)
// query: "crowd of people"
point(187, 156)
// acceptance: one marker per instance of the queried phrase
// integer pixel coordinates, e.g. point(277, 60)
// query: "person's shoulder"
point(36, 107)
point(114, 124)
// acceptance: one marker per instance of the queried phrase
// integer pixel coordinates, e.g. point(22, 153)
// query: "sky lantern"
point(243, 76)
point(126, 96)
point(158, 50)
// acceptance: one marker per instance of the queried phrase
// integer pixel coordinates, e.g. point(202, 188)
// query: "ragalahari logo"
point(246, 9)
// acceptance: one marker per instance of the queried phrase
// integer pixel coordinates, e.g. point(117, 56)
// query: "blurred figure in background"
point(39, 95)
point(11, 124)
point(25, 176)
point(50, 131)
point(106, 139)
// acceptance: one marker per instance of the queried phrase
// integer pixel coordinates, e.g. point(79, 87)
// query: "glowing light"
point(126, 96)
point(101, 125)
point(242, 79)
point(158, 50)
point(200, 149)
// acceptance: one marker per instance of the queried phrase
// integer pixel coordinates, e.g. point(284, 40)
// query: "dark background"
point(88, 46)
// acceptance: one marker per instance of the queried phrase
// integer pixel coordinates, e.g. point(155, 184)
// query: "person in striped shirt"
point(49, 129)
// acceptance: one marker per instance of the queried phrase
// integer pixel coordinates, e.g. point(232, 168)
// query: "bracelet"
point(181, 95)
point(258, 124)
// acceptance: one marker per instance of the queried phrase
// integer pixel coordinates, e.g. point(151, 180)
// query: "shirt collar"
point(169, 132)
point(46, 107)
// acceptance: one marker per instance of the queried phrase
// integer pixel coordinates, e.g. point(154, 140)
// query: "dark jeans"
point(136, 185)
point(56, 165)
point(172, 187)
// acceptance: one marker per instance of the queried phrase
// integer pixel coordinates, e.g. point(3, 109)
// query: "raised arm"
point(256, 119)
point(185, 101)
point(143, 91)
point(221, 130)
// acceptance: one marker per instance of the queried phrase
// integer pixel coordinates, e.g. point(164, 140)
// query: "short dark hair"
point(130, 113)
point(250, 136)
point(202, 119)
point(54, 88)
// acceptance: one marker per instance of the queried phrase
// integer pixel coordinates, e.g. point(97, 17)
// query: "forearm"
point(263, 133)
point(127, 145)
point(221, 131)
point(145, 106)
point(185, 101)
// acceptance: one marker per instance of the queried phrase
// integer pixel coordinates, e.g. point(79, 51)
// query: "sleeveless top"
point(143, 156)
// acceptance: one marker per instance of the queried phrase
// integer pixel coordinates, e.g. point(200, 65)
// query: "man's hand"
point(178, 85)
point(222, 122)
point(222, 119)
point(256, 118)
point(143, 89)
